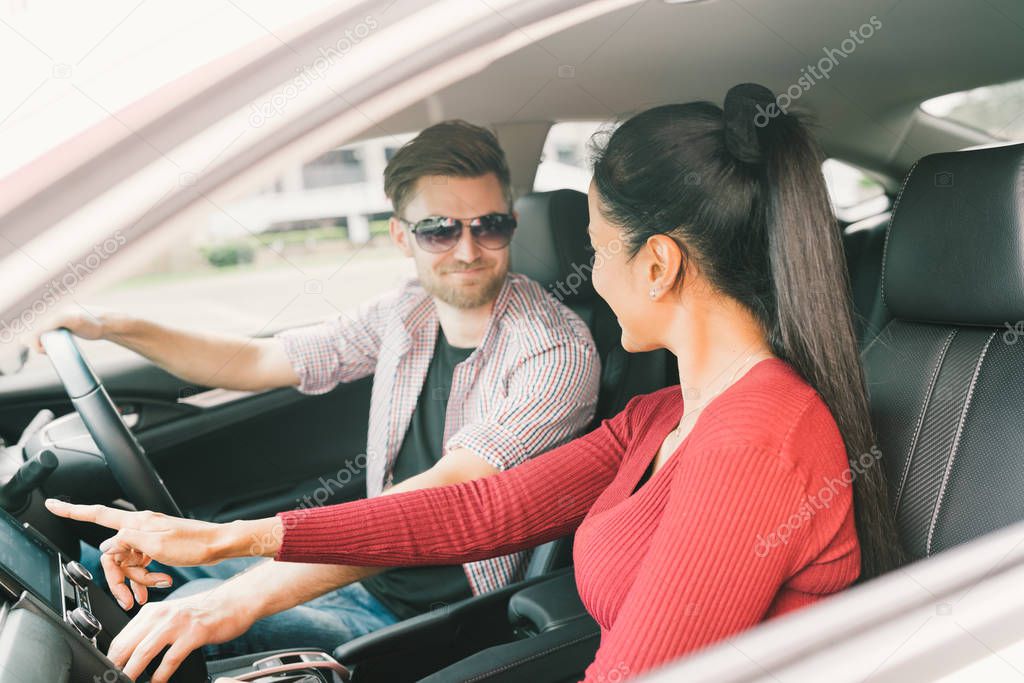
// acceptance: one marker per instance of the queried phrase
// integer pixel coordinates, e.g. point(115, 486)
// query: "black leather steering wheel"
point(123, 454)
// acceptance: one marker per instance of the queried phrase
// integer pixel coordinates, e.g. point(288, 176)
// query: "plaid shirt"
point(530, 385)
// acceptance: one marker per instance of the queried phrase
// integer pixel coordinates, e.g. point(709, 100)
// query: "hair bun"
point(744, 104)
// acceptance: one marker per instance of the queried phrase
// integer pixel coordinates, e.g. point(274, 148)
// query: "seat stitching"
point(920, 420)
point(892, 222)
point(536, 655)
point(956, 443)
point(871, 344)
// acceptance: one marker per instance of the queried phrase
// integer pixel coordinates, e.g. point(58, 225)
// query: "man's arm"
point(229, 610)
point(206, 359)
point(529, 422)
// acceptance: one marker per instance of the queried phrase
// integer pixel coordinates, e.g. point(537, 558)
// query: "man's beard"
point(463, 297)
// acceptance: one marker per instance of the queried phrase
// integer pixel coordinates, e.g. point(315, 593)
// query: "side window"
point(993, 109)
point(855, 195)
point(565, 161)
point(310, 244)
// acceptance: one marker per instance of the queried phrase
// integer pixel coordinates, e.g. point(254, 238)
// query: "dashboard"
point(27, 562)
point(55, 621)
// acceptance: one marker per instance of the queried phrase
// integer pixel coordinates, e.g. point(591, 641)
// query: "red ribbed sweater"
point(751, 517)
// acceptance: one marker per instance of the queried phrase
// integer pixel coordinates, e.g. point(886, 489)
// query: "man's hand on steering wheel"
point(85, 324)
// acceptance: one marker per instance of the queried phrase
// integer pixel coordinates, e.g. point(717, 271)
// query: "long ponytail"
point(813, 323)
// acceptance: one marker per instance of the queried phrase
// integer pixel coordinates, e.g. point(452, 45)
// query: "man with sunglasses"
point(475, 370)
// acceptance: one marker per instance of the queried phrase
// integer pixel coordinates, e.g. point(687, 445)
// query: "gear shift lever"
point(15, 493)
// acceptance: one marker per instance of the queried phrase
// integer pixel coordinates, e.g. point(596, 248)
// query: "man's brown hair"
point(451, 148)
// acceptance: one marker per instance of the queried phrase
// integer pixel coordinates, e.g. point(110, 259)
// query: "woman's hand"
point(145, 536)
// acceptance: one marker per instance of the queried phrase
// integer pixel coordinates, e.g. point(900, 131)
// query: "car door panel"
point(252, 456)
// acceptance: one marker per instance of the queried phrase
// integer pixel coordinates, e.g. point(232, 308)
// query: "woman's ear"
point(667, 264)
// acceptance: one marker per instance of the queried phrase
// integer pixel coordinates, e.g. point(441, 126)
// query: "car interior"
point(936, 281)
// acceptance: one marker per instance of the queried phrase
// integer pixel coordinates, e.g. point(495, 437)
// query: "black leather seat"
point(944, 375)
point(551, 246)
point(864, 242)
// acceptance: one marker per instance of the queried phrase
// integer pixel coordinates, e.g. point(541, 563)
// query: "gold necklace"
point(732, 379)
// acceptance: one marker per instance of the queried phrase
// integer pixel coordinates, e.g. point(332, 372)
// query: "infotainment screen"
point(29, 562)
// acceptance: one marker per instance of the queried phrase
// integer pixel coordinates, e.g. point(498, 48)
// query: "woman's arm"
point(537, 501)
point(178, 541)
point(512, 510)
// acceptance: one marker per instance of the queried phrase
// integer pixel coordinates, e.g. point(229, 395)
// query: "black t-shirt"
point(415, 590)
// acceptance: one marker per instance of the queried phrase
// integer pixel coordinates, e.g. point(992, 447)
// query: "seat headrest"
point(551, 244)
point(955, 249)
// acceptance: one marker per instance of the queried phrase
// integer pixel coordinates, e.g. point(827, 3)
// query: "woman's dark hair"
point(740, 188)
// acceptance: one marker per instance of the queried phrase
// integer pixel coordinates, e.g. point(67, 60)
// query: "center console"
point(533, 630)
point(29, 563)
point(56, 623)
point(49, 629)
point(284, 666)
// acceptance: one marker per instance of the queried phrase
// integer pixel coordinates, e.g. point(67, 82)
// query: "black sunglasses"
point(439, 234)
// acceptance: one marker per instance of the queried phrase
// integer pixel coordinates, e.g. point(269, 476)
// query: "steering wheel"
point(123, 454)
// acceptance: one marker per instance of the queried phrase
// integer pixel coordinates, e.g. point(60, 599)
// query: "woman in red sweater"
point(752, 489)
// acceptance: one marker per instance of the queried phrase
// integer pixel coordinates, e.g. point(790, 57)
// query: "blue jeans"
point(90, 559)
point(323, 623)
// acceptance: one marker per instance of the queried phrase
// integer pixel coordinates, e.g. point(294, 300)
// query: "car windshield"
point(79, 63)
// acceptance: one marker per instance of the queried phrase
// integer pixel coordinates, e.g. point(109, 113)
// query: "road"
point(252, 301)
